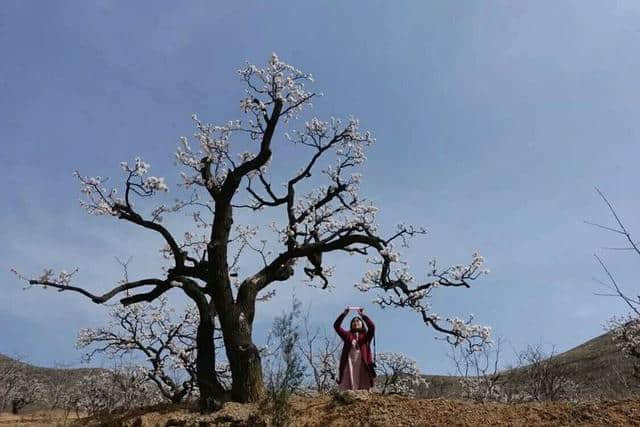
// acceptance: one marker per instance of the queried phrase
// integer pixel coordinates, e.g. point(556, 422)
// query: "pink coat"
point(363, 342)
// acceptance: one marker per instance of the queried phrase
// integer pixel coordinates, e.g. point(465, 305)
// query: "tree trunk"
point(17, 405)
point(235, 319)
point(246, 369)
point(212, 393)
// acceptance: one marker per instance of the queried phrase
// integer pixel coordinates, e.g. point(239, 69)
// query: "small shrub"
point(284, 367)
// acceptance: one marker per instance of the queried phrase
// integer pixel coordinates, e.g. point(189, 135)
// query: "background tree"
point(626, 333)
point(625, 329)
point(320, 217)
point(10, 377)
point(120, 388)
point(17, 388)
point(477, 367)
point(165, 339)
point(398, 374)
point(285, 368)
point(543, 377)
point(320, 351)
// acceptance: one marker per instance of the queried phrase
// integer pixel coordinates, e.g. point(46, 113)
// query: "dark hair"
point(364, 325)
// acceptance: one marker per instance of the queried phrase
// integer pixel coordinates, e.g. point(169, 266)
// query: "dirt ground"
point(376, 410)
point(37, 419)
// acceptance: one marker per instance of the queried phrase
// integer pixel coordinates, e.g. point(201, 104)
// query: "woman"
point(356, 365)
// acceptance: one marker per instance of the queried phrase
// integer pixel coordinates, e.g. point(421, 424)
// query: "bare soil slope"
point(378, 410)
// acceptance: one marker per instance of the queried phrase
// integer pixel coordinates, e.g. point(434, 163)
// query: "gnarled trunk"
point(246, 369)
point(236, 317)
point(212, 393)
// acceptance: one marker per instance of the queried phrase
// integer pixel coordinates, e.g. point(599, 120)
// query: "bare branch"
point(630, 302)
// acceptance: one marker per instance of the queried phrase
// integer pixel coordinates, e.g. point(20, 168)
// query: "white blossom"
point(398, 374)
point(155, 183)
point(277, 81)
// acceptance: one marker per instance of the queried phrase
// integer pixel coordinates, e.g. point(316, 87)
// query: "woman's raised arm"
point(337, 325)
point(371, 327)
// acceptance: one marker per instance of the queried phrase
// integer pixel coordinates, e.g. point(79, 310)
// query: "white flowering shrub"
point(398, 374)
point(17, 387)
point(107, 391)
point(10, 377)
point(165, 338)
point(626, 335)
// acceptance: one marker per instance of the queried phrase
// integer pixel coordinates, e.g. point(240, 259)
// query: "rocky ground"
point(363, 409)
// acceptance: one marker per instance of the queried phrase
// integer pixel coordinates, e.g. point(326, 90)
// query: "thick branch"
point(235, 176)
point(147, 296)
point(99, 299)
point(281, 269)
point(131, 216)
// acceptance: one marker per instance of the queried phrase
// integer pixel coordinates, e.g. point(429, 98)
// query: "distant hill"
point(597, 366)
point(49, 372)
point(62, 378)
point(600, 367)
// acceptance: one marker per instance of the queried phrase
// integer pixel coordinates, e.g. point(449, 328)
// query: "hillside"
point(49, 372)
point(59, 380)
point(597, 366)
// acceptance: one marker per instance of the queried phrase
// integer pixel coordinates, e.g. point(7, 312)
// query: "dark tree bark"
point(211, 391)
point(18, 404)
point(236, 317)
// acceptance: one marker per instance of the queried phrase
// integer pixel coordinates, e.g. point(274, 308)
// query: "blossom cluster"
point(277, 81)
point(626, 334)
point(214, 143)
point(100, 201)
point(465, 330)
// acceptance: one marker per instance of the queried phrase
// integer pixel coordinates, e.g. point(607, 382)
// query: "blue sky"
point(494, 121)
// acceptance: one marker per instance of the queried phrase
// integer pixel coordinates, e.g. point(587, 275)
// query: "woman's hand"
point(361, 311)
point(346, 310)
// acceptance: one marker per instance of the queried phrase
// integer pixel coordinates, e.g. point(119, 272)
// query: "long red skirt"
point(354, 374)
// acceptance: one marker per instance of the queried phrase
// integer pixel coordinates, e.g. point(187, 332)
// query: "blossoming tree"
point(332, 217)
point(155, 331)
point(399, 374)
point(167, 342)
